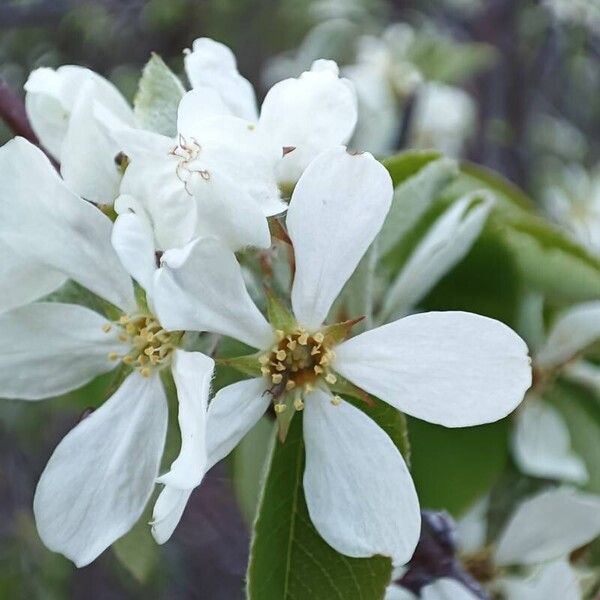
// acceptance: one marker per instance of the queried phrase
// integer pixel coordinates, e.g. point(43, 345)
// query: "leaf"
point(412, 199)
point(405, 164)
point(451, 468)
point(157, 98)
point(288, 558)
point(278, 314)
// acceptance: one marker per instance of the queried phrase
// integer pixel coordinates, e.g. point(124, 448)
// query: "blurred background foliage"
point(531, 72)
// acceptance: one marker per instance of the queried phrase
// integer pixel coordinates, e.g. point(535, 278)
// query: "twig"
point(12, 112)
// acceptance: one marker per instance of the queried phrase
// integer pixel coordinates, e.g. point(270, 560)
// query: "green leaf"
point(452, 468)
point(248, 364)
point(406, 164)
point(412, 199)
point(289, 560)
point(157, 99)
point(548, 260)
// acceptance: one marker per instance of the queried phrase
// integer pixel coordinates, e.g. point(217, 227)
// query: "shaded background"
point(538, 101)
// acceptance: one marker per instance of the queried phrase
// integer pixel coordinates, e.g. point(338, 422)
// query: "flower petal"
point(315, 112)
point(47, 349)
point(452, 368)
point(232, 413)
point(87, 160)
point(574, 330)
point(337, 209)
point(548, 526)
point(100, 477)
point(359, 493)
point(133, 242)
point(198, 105)
point(42, 219)
point(397, 592)
point(169, 507)
point(471, 528)
point(192, 372)
point(23, 279)
point(443, 246)
point(553, 580)
point(447, 589)
point(541, 444)
point(213, 65)
point(51, 96)
point(201, 288)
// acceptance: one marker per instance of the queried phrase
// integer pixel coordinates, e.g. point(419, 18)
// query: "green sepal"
point(343, 387)
point(248, 364)
point(338, 332)
point(278, 314)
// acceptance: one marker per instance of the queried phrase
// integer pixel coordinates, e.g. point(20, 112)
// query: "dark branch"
point(12, 112)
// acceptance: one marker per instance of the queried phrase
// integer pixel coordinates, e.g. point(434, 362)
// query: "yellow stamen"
point(106, 327)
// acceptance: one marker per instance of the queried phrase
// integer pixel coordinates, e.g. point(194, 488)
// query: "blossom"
point(539, 536)
point(101, 475)
point(444, 118)
point(303, 115)
point(453, 368)
point(541, 442)
point(62, 106)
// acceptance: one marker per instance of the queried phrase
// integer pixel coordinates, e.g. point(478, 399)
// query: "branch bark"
point(12, 112)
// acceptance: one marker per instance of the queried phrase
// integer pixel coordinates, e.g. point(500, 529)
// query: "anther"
point(280, 334)
point(281, 355)
point(298, 403)
point(277, 378)
point(292, 344)
point(319, 337)
point(128, 360)
point(146, 372)
point(113, 356)
point(290, 385)
point(317, 369)
point(330, 378)
point(303, 339)
point(336, 400)
point(279, 408)
point(106, 327)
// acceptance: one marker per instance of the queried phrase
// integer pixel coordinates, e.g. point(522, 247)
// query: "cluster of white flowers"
point(149, 224)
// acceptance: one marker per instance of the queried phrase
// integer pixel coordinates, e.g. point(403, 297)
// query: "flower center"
point(151, 347)
point(187, 151)
point(297, 363)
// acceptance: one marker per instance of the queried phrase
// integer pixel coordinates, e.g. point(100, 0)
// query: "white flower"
point(444, 118)
point(541, 534)
point(453, 368)
point(538, 539)
point(62, 106)
point(300, 116)
point(541, 442)
point(384, 75)
point(441, 589)
point(101, 475)
point(572, 199)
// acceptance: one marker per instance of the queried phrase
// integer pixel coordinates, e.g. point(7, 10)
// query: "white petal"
point(45, 221)
point(232, 413)
point(213, 64)
point(471, 528)
point(23, 279)
point(169, 507)
point(230, 214)
point(47, 349)
point(359, 493)
point(233, 147)
point(201, 288)
point(447, 589)
point(100, 477)
point(197, 106)
point(192, 372)
point(87, 160)
point(396, 592)
point(574, 330)
point(541, 444)
point(337, 209)
point(444, 245)
point(554, 580)
point(549, 525)
point(584, 373)
point(133, 242)
point(452, 368)
point(51, 96)
point(312, 113)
